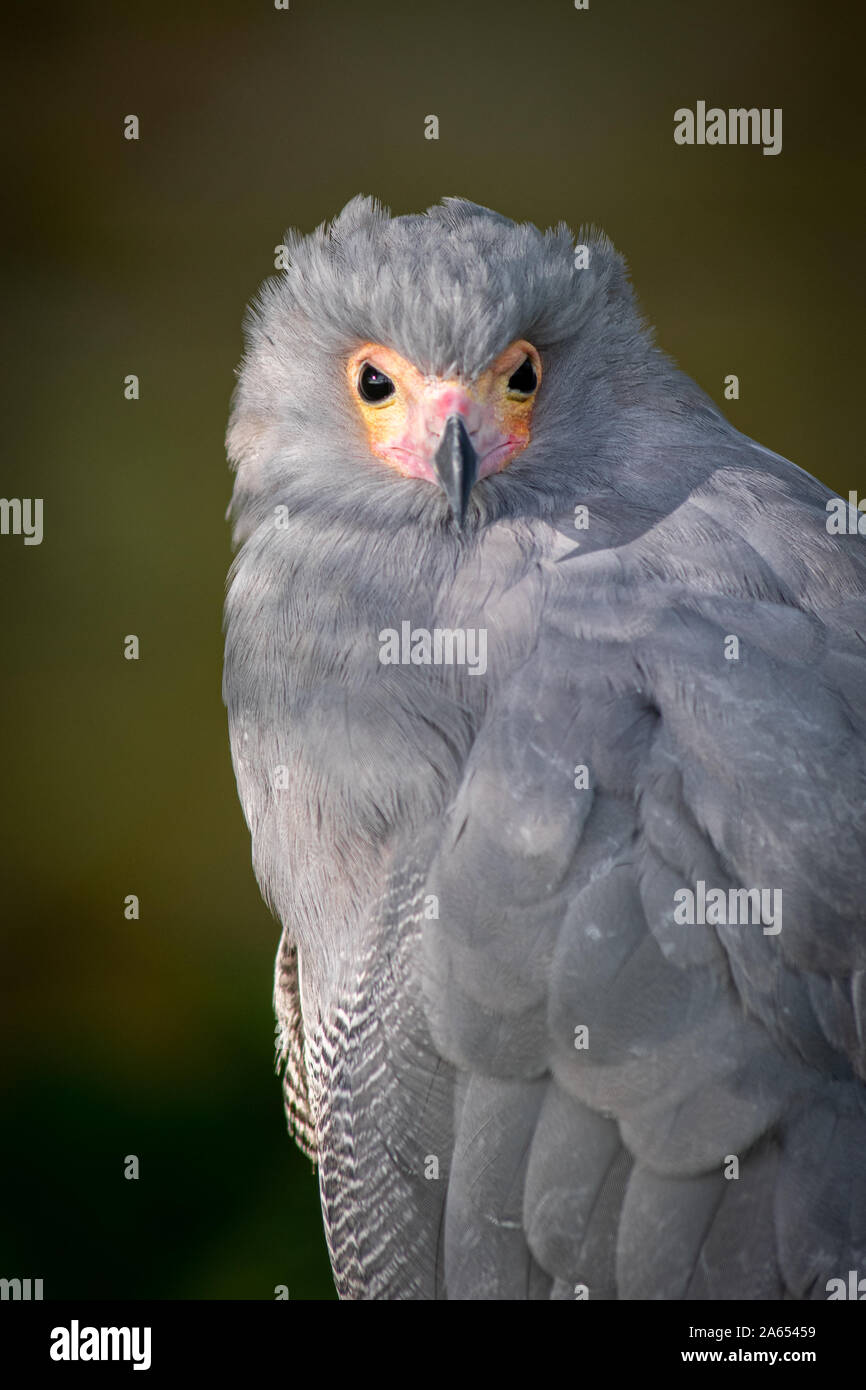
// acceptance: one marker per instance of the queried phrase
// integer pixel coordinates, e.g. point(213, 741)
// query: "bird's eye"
point(524, 380)
point(374, 386)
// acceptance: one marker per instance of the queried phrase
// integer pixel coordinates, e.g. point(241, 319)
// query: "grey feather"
point(455, 909)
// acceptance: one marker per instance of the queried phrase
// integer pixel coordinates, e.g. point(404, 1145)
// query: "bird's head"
point(441, 369)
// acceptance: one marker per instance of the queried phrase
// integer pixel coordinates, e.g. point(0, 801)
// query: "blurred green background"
point(155, 1037)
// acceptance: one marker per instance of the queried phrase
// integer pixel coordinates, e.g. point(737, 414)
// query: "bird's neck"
point(357, 687)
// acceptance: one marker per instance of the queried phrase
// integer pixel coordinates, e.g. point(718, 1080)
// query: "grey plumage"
point(467, 1147)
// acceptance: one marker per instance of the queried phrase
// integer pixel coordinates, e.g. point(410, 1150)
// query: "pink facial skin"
point(412, 451)
point(406, 429)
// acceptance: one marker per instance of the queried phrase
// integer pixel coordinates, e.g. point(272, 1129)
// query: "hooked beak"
point(456, 466)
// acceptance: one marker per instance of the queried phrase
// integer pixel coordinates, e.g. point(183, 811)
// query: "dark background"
point(155, 1037)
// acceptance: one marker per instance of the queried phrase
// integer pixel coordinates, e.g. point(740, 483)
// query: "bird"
point(546, 694)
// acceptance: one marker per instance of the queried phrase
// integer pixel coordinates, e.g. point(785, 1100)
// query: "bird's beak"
point(456, 465)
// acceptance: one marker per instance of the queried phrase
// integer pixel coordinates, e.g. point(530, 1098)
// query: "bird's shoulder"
point(632, 948)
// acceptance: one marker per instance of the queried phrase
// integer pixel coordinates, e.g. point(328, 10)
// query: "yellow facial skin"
point(404, 430)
